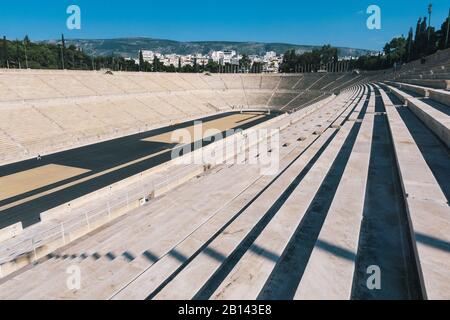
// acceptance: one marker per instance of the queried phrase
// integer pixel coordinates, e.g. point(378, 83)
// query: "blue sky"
point(340, 23)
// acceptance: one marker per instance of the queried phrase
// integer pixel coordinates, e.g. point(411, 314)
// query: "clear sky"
point(315, 22)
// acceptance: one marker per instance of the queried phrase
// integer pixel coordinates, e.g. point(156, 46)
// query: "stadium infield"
point(30, 187)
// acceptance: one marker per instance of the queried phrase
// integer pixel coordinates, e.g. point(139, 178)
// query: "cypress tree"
point(416, 39)
point(4, 53)
point(447, 31)
point(141, 60)
point(63, 51)
point(155, 64)
point(409, 45)
point(195, 65)
point(18, 54)
point(444, 34)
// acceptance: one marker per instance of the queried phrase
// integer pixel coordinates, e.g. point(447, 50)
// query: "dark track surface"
point(96, 158)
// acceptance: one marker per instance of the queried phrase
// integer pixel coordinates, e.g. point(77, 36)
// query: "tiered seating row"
point(436, 120)
point(427, 207)
point(441, 96)
point(125, 260)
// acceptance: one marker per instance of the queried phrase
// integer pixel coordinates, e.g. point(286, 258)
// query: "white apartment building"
point(216, 56)
point(149, 55)
point(228, 57)
point(171, 59)
point(270, 61)
point(224, 57)
point(270, 55)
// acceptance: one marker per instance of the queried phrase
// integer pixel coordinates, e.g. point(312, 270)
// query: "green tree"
point(245, 62)
point(18, 55)
point(212, 67)
point(4, 53)
point(422, 43)
point(171, 68)
point(49, 56)
point(395, 50)
point(156, 64)
point(141, 61)
point(443, 34)
point(292, 61)
point(409, 46)
point(432, 41)
point(195, 65)
point(328, 54)
point(26, 40)
point(63, 52)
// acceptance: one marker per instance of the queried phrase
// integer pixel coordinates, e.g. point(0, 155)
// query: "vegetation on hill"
point(83, 54)
point(424, 41)
point(129, 47)
point(292, 61)
point(27, 54)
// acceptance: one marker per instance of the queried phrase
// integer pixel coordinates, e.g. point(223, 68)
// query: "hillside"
point(129, 47)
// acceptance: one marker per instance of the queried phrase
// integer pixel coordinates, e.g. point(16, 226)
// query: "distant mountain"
point(129, 47)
